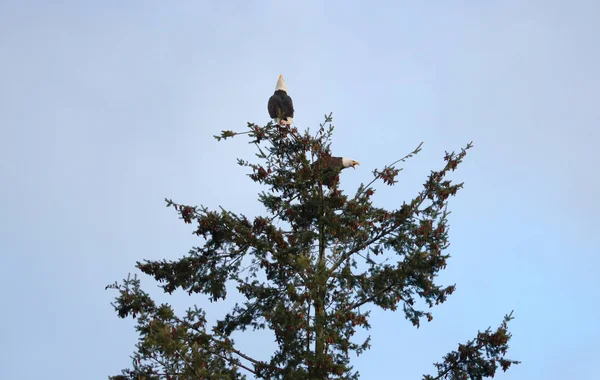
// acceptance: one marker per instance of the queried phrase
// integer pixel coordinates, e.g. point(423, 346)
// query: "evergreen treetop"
point(309, 269)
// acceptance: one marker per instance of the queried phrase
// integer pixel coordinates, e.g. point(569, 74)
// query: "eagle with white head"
point(280, 106)
point(333, 166)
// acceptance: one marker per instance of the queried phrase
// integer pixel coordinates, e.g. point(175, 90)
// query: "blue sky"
point(106, 108)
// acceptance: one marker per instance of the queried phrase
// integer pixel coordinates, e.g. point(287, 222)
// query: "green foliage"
point(315, 258)
point(478, 358)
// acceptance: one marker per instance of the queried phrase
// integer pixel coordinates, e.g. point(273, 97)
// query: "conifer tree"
point(309, 270)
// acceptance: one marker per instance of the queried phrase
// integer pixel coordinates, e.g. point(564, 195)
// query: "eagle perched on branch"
point(331, 167)
point(280, 106)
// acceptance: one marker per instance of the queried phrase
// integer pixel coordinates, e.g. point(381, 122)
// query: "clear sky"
point(108, 107)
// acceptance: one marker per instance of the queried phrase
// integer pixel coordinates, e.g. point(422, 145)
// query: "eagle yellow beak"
point(280, 76)
point(354, 163)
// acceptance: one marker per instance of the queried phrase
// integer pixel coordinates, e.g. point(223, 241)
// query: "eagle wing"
point(273, 105)
point(330, 168)
point(288, 105)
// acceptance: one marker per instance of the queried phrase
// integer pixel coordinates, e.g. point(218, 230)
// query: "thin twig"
point(186, 362)
point(417, 150)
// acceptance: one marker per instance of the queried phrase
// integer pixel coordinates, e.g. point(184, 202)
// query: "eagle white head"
point(281, 84)
point(349, 163)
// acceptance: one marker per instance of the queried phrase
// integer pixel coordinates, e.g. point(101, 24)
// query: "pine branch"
point(187, 363)
point(479, 357)
point(224, 345)
point(377, 174)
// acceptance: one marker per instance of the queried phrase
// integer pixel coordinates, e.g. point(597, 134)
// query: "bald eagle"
point(333, 166)
point(280, 106)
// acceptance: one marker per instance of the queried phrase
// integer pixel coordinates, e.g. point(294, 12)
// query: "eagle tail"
point(288, 120)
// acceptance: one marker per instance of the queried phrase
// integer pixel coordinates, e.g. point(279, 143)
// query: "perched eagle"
point(280, 106)
point(333, 166)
